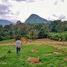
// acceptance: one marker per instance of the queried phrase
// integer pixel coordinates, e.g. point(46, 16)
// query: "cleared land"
point(37, 53)
point(57, 44)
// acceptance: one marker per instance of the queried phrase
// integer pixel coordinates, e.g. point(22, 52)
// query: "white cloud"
point(44, 8)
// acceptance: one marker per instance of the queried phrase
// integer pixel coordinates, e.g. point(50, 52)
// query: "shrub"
point(58, 36)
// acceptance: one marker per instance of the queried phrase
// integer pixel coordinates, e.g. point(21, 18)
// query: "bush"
point(5, 38)
point(58, 36)
point(1, 38)
point(3, 58)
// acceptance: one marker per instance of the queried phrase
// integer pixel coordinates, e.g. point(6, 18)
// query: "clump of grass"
point(9, 51)
point(2, 58)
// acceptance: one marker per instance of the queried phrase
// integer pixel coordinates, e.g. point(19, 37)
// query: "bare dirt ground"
point(57, 44)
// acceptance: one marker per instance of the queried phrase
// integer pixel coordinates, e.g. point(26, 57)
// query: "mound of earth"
point(33, 60)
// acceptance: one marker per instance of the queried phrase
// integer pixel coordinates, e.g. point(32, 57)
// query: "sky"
point(21, 9)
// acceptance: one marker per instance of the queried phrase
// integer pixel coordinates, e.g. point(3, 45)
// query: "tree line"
point(34, 31)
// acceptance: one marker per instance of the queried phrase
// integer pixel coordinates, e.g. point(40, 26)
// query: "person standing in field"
point(18, 44)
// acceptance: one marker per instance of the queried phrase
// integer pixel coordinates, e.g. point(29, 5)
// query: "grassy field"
point(49, 55)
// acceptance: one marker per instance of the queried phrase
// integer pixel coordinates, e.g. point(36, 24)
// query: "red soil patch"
point(33, 60)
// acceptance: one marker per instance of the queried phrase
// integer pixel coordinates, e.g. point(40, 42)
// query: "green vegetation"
point(61, 36)
point(49, 56)
point(35, 31)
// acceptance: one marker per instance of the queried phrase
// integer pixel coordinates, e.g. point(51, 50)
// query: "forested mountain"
point(35, 19)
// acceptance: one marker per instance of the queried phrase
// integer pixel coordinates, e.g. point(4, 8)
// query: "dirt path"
point(49, 42)
point(57, 44)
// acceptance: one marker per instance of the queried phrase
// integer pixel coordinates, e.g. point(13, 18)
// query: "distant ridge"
point(5, 22)
point(36, 19)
